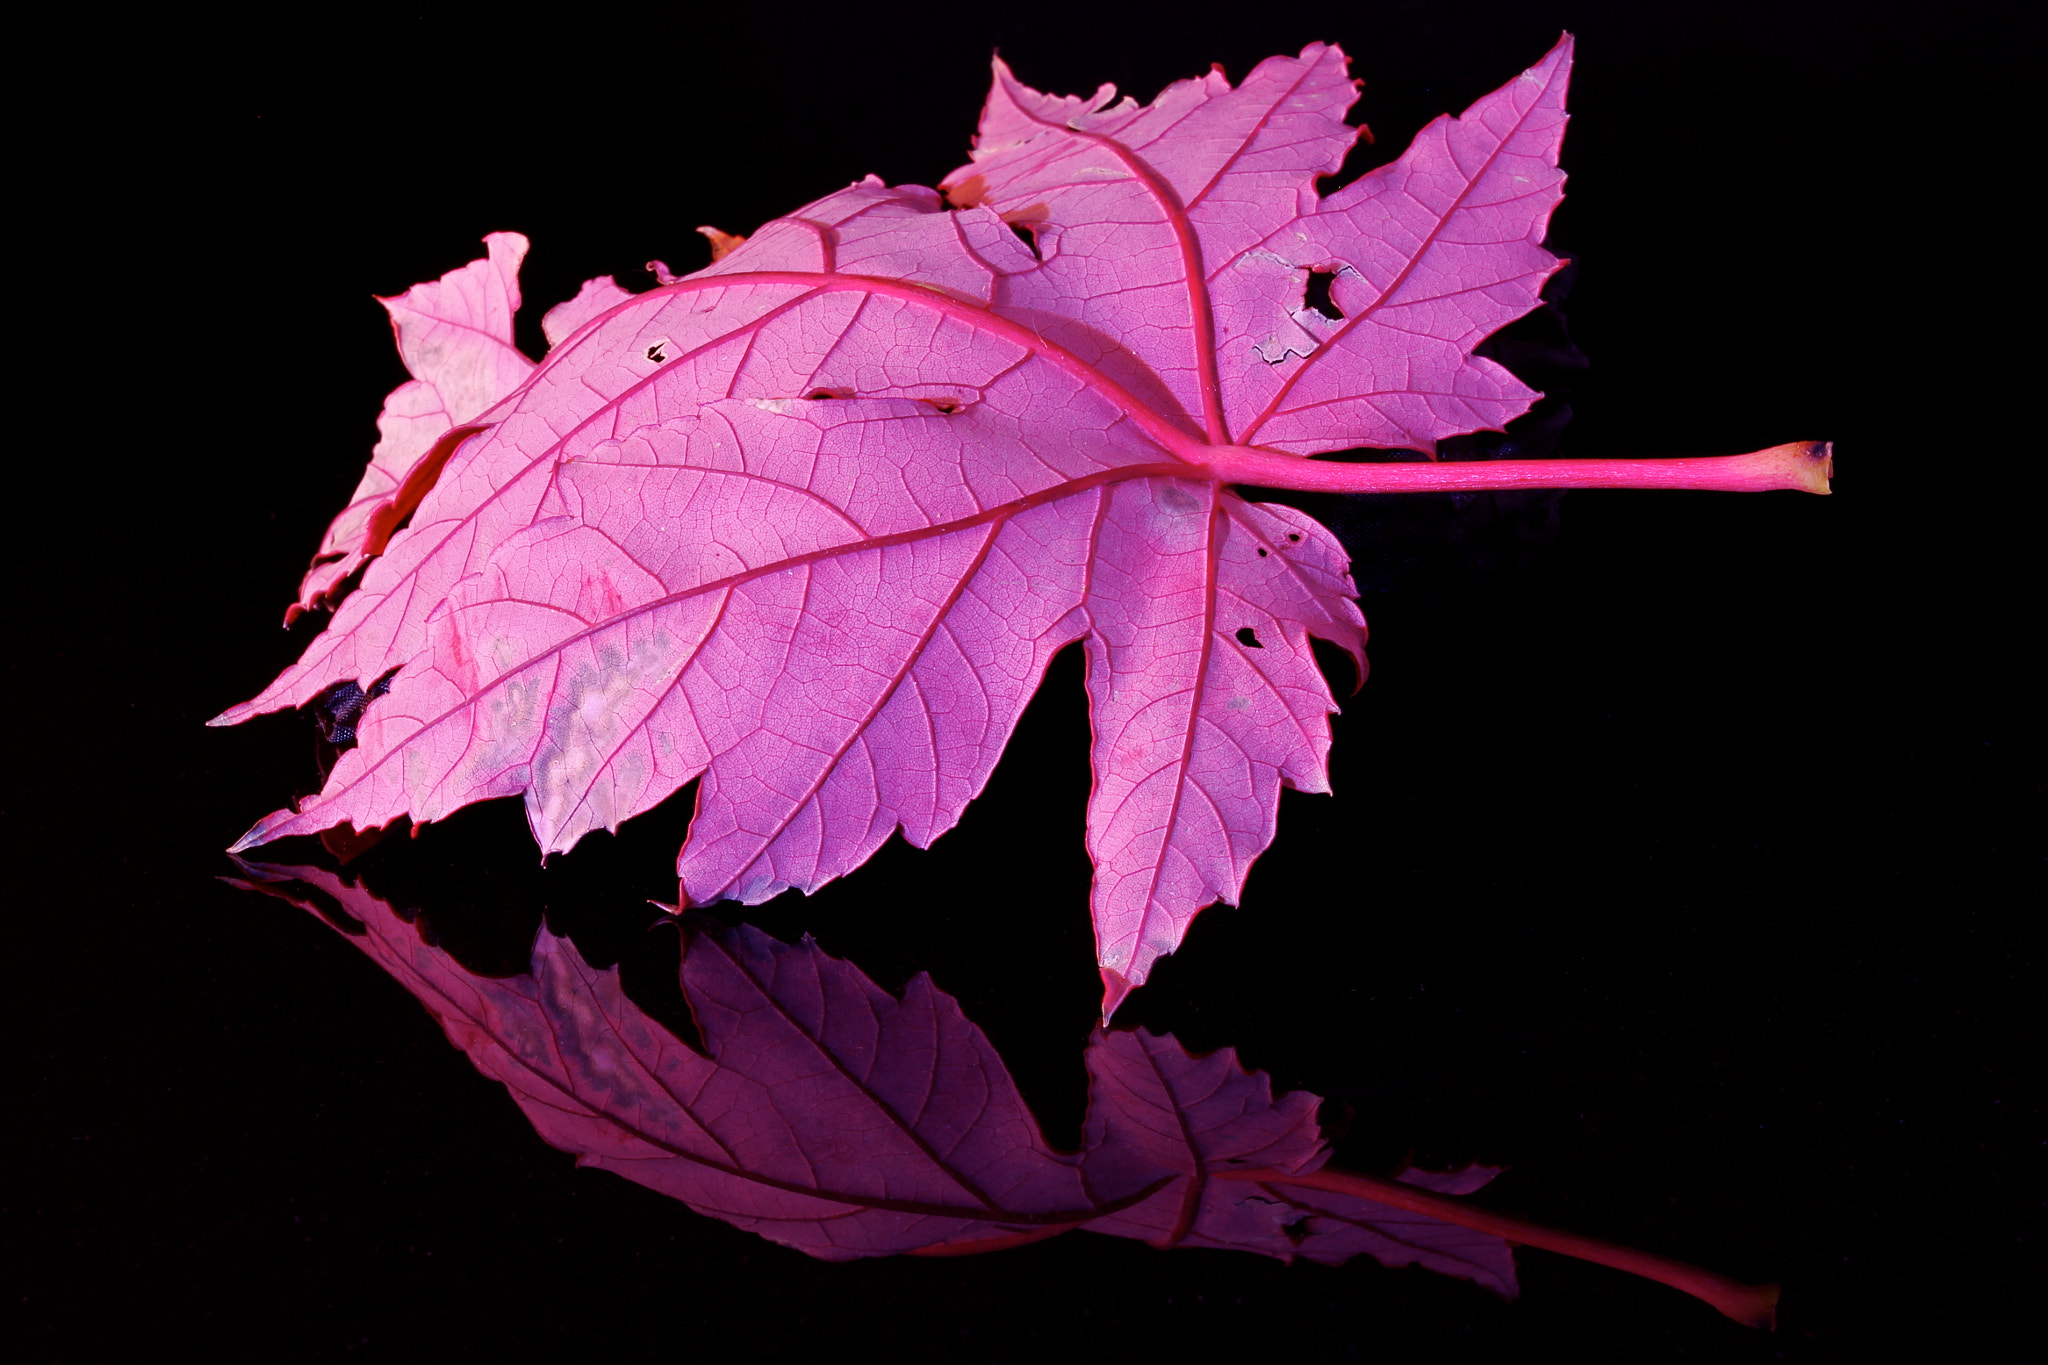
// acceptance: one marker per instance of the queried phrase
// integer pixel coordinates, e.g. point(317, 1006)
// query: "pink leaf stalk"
point(806, 527)
point(828, 1115)
point(1752, 1305)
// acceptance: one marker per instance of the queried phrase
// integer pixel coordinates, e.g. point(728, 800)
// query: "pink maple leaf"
point(806, 527)
point(828, 1115)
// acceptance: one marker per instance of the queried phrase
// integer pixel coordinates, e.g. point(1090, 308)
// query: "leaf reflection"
point(829, 1115)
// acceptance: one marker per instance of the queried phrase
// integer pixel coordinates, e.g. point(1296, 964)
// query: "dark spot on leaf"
point(1262, 552)
point(1318, 296)
point(1294, 535)
point(1248, 637)
point(945, 405)
point(826, 395)
point(1296, 1231)
point(656, 354)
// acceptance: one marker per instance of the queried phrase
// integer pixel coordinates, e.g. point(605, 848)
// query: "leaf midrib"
point(1001, 512)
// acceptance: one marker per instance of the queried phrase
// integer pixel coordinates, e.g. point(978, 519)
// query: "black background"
point(1684, 868)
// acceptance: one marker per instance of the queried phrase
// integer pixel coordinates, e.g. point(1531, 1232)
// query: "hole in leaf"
point(1262, 552)
point(1296, 1231)
point(1248, 637)
point(657, 354)
point(826, 395)
point(338, 711)
point(1294, 536)
point(948, 406)
point(1318, 296)
point(1027, 233)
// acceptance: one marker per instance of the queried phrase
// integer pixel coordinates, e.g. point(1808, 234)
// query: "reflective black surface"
point(1686, 869)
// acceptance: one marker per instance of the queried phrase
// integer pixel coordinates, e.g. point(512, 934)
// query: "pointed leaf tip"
point(722, 243)
point(1114, 990)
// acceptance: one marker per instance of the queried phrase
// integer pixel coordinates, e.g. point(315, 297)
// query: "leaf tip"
point(722, 243)
point(255, 838)
point(1115, 988)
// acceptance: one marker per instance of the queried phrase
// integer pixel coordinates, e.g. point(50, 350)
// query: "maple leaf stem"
point(1752, 1305)
point(1801, 465)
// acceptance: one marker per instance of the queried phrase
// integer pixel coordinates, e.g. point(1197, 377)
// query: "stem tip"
point(1807, 466)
